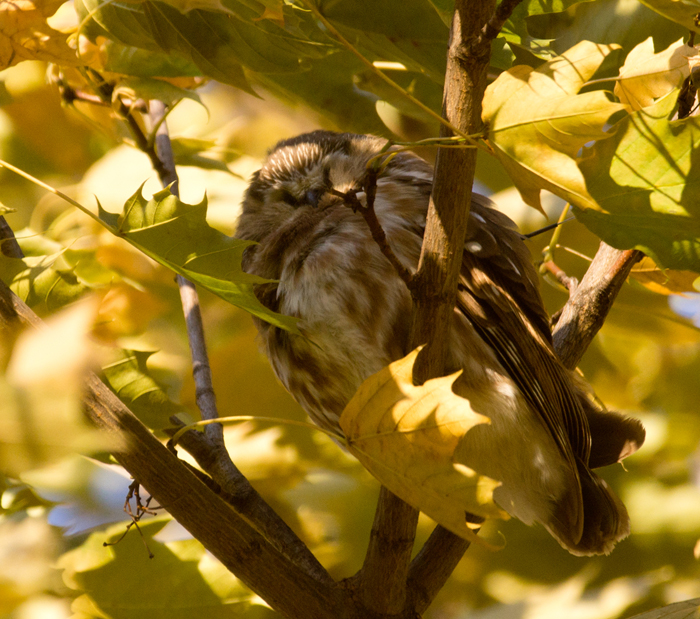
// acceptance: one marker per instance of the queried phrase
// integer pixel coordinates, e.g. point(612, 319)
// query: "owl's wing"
point(498, 293)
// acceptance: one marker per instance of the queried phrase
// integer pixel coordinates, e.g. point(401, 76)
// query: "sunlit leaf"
point(187, 582)
point(646, 184)
point(647, 76)
point(407, 436)
point(43, 282)
point(25, 35)
point(538, 123)
point(178, 236)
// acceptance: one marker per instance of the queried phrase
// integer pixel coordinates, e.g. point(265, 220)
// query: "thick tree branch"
point(586, 310)
point(434, 286)
point(384, 575)
point(433, 565)
point(245, 552)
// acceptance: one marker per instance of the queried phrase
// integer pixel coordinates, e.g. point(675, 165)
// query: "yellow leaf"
point(664, 281)
point(647, 76)
point(25, 35)
point(538, 123)
point(407, 436)
point(41, 413)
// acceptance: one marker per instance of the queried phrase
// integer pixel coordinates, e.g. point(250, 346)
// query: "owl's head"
point(306, 174)
point(300, 171)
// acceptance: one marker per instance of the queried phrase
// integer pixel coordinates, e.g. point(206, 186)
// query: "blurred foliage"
point(645, 361)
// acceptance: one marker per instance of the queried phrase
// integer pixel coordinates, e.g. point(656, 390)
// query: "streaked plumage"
point(355, 313)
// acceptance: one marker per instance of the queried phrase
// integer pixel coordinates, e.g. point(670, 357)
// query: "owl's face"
point(302, 171)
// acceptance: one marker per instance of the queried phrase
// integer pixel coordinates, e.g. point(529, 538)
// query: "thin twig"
point(438, 558)
point(570, 283)
point(212, 454)
point(370, 216)
point(503, 12)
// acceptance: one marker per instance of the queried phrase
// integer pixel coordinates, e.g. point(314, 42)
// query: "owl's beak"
point(313, 196)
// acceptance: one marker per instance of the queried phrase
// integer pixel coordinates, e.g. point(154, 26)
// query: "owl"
point(354, 311)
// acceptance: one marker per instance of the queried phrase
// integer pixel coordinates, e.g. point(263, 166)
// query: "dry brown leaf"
point(406, 436)
point(25, 35)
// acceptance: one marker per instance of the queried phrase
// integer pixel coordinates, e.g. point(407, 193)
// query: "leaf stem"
point(53, 190)
point(240, 418)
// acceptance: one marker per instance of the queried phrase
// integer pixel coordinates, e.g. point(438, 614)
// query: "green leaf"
point(130, 60)
point(645, 180)
point(416, 84)
point(148, 88)
point(445, 9)
point(45, 283)
point(129, 378)
point(219, 44)
point(683, 12)
point(405, 31)
point(516, 30)
point(172, 232)
point(337, 99)
point(182, 582)
point(188, 152)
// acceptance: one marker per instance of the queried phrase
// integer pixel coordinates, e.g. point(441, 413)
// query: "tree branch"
point(245, 552)
point(384, 575)
point(434, 288)
point(585, 312)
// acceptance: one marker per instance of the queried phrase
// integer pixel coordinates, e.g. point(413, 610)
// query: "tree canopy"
point(589, 104)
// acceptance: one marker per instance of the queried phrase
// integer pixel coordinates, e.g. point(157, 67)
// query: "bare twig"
point(211, 453)
point(570, 283)
point(375, 227)
point(433, 565)
point(493, 27)
point(586, 310)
